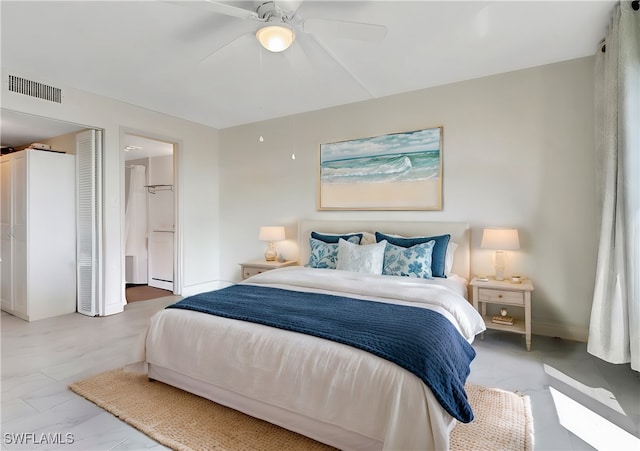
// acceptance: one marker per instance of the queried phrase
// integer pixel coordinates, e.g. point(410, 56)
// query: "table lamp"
point(271, 234)
point(500, 239)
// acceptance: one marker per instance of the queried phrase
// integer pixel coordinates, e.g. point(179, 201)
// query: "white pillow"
point(448, 258)
point(367, 258)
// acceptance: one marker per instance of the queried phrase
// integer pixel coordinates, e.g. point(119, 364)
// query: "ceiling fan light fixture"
point(275, 38)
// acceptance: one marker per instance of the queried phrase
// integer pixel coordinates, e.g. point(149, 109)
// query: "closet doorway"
point(149, 217)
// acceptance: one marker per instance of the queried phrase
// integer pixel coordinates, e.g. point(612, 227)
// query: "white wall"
point(518, 151)
point(64, 143)
point(160, 204)
point(197, 177)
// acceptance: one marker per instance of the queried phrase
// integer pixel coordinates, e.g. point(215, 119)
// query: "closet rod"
point(153, 188)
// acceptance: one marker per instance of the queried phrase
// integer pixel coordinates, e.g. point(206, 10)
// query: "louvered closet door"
point(89, 226)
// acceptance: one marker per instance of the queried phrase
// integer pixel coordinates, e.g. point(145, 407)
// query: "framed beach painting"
point(397, 171)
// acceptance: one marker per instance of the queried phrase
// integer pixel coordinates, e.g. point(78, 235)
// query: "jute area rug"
point(182, 421)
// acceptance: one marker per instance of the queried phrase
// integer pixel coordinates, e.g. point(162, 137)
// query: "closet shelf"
point(153, 188)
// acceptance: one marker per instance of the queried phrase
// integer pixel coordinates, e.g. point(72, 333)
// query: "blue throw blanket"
point(419, 340)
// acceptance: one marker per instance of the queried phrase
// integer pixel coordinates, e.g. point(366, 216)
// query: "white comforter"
point(312, 377)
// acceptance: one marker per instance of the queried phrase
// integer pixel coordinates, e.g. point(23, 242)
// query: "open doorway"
point(149, 199)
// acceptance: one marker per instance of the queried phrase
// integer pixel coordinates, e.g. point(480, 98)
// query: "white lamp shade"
point(271, 233)
point(500, 239)
point(275, 38)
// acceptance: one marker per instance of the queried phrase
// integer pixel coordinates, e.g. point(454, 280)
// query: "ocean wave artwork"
point(409, 156)
point(399, 171)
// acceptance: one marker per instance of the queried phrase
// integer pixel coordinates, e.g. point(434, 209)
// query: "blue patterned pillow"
point(325, 255)
point(414, 261)
point(439, 250)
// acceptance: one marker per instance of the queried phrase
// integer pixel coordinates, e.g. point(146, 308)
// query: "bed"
point(331, 391)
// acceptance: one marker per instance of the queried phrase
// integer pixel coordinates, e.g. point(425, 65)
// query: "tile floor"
point(40, 359)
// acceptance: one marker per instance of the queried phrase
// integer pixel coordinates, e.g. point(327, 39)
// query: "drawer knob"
point(499, 296)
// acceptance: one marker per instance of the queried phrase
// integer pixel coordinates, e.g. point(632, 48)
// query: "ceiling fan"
point(280, 22)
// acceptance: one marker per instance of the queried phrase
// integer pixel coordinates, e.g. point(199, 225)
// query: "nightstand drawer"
point(252, 271)
point(255, 267)
point(498, 296)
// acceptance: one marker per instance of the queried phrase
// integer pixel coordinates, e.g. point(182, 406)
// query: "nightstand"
point(259, 266)
point(507, 294)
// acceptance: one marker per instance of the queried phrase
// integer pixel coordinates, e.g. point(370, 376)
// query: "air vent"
point(34, 89)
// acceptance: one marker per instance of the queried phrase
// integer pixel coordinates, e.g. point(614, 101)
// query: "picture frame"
point(395, 171)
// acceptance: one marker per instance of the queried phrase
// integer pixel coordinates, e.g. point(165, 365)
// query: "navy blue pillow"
point(438, 254)
point(334, 238)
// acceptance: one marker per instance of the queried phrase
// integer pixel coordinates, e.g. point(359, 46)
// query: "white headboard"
point(460, 233)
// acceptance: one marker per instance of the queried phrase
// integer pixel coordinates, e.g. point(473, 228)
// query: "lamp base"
point(270, 255)
point(499, 265)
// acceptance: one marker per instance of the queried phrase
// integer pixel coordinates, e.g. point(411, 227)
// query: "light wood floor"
point(40, 359)
point(144, 293)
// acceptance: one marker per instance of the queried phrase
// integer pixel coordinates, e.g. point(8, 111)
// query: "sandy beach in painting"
point(417, 194)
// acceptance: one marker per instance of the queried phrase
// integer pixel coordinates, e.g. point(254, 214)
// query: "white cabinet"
point(38, 234)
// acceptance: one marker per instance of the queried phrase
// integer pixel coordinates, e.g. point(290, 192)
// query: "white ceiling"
point(18, 129)
point(145, 147)
point(149, 53)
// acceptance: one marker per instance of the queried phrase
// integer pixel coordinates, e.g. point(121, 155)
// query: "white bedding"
point(440, 294)
point(314, 385)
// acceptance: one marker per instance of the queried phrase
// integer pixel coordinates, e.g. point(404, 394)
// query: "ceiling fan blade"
point(220, 8)
point(344, 67)
point(298, 59)
point(230, 43)
point(345, 29)
point(290, 6)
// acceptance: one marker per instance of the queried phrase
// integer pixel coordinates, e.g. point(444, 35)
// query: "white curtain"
point(136, 227)
point(614, 331)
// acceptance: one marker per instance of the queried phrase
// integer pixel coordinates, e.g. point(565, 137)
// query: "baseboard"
point(568, 332)
point(204, 287)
